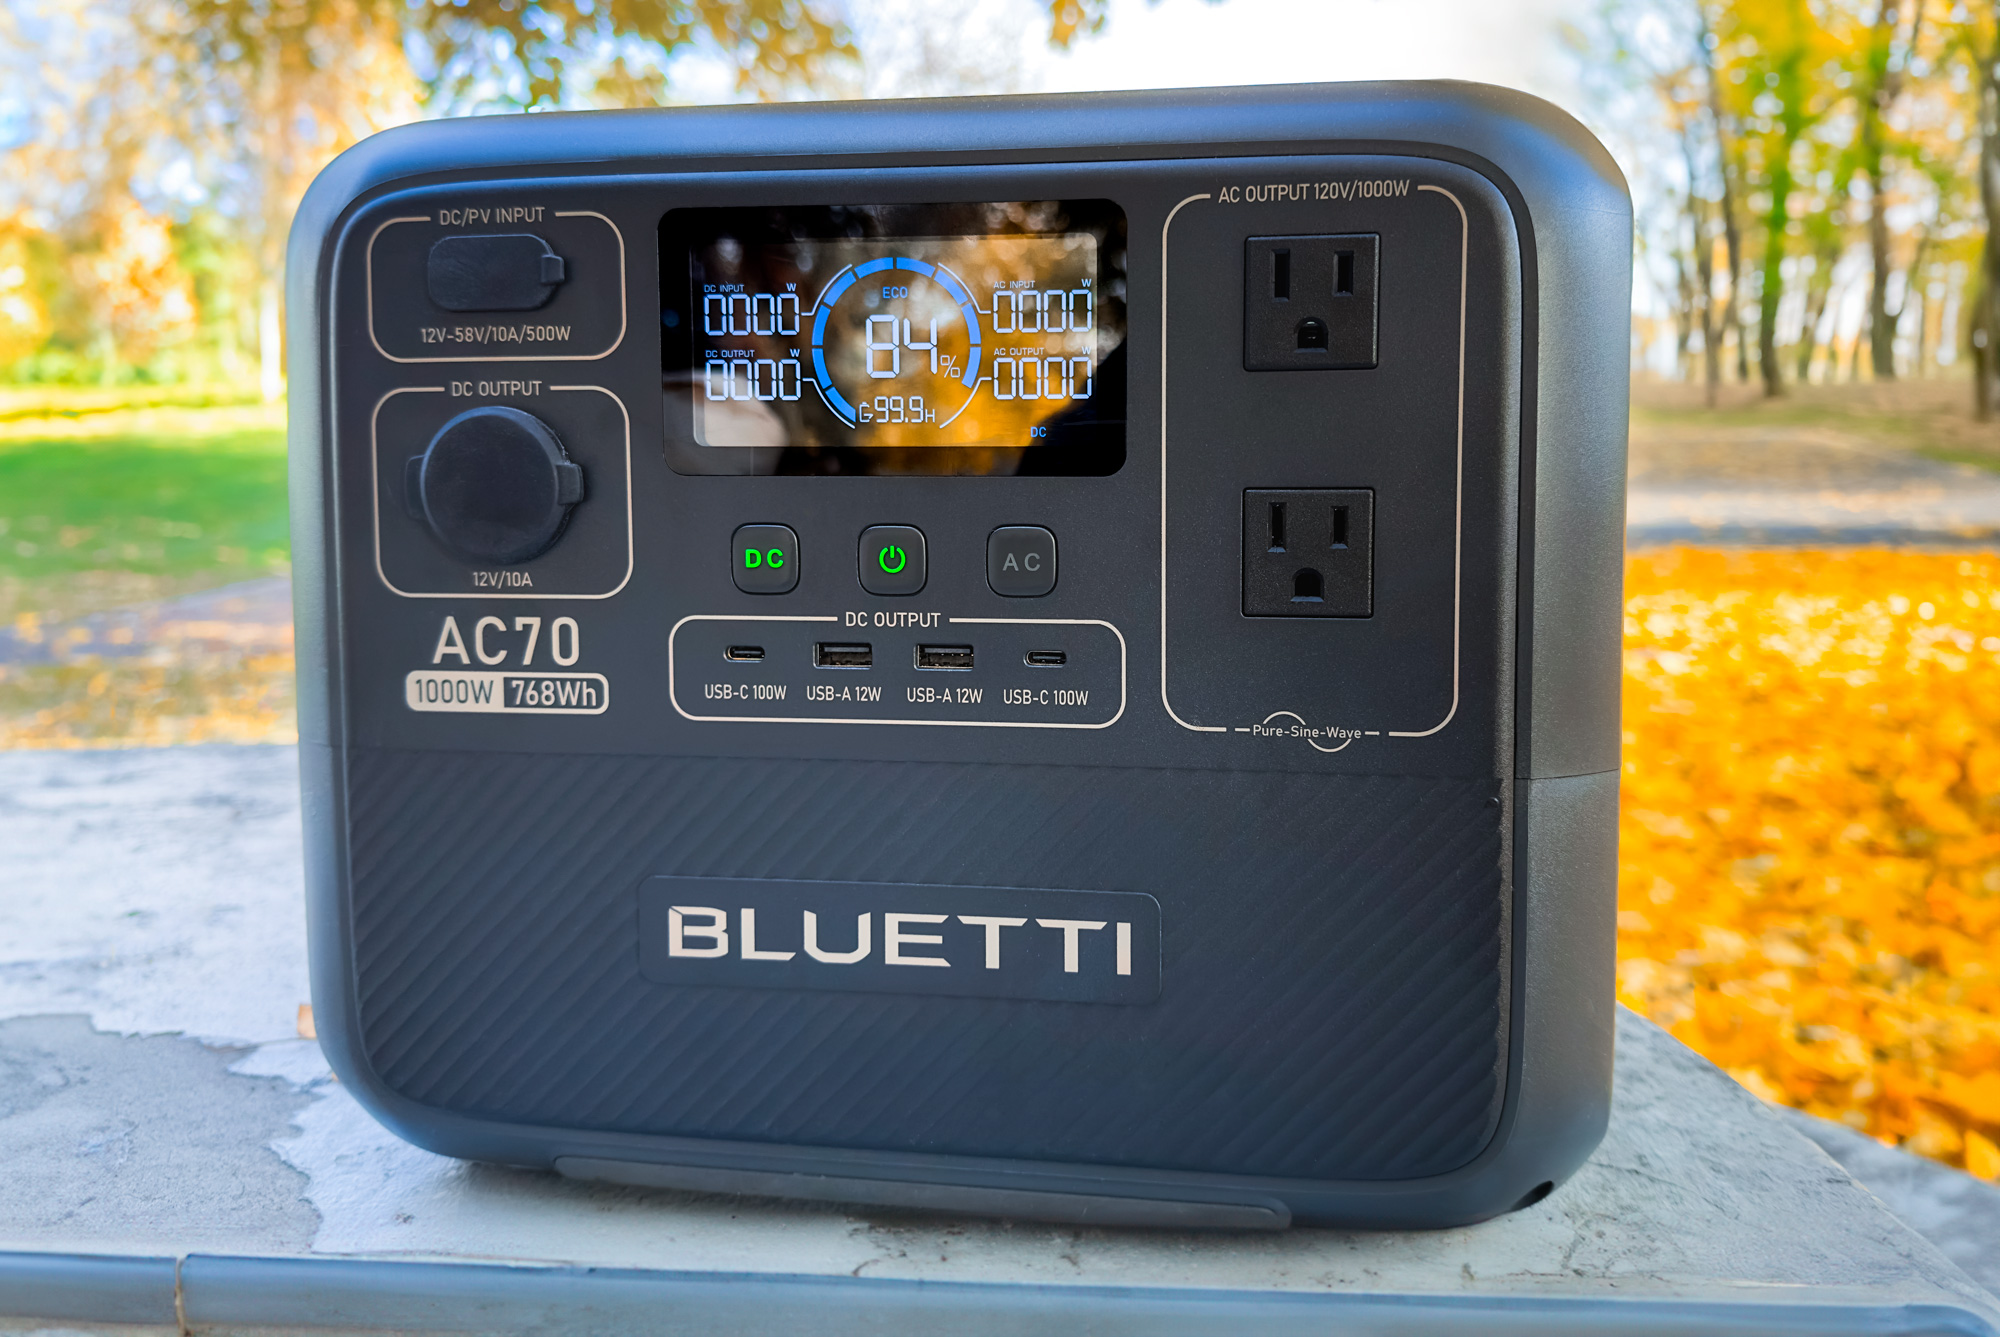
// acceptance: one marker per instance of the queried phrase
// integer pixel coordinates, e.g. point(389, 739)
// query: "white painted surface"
point(154, 891)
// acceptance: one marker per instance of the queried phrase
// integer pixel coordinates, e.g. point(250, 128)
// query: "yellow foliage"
point(132, 281)
point(1809, 881)
point(24, 321)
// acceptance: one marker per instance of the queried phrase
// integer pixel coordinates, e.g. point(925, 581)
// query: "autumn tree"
point(1727, 160)
point(1980, 43)
point(1781, 46)
point(264, 94)
point(66, 194)
point(1814, 143)
point(1886, 55)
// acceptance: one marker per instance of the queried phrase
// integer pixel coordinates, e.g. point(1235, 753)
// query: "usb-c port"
point(826, 655)
point(1047, 658)
point(944, 656)
point(744, 654)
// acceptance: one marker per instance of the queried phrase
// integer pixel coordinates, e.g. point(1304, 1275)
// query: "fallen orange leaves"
point(1809, 880)
point(94, 703)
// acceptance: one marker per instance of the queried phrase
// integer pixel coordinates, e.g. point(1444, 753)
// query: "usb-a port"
point(944, 656)
point(828, 655)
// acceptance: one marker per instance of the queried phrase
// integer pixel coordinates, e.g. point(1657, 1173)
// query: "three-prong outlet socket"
point(1309, 552)
point(1309, 302)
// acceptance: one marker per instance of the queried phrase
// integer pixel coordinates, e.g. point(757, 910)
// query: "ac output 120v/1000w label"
point(473, 693)
point(1288, 192)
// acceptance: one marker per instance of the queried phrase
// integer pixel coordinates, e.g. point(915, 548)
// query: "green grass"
point(1982, 459)
point(1931, 417)
point(20, 403)
point(93, 521)
point(1899, 427)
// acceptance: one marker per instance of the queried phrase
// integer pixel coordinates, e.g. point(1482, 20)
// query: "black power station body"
point(1053, 657)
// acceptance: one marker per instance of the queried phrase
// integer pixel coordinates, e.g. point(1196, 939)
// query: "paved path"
point(156, 1101)
point(1797, 487)
point(250, 618)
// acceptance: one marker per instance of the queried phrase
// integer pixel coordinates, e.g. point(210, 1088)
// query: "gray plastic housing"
point(472, 1011)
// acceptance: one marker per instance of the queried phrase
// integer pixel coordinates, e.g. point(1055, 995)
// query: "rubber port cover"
point(495, 485)
point(512, 272)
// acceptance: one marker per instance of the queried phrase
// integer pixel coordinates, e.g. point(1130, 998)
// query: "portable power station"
point(1051, 657)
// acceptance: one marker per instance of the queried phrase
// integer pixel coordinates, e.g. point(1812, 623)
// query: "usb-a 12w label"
point(896, 937)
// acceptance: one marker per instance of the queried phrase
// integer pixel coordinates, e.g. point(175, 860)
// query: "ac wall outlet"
point(1309, 552)
point(1310, 303)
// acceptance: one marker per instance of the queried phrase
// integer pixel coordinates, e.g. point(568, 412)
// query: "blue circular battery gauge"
point(896, 346)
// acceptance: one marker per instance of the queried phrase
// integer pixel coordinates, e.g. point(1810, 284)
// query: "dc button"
point(1021, 561)
point(764, 559)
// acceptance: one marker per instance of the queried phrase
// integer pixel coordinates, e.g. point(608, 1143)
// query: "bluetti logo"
point(879, 937)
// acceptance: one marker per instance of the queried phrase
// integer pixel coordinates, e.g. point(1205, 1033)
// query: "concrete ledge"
point(368, 1296)
point(87, 1289)
point(1949, 1208)
point(156, 1104)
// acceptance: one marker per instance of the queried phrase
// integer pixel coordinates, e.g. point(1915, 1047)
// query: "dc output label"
point(472, 693)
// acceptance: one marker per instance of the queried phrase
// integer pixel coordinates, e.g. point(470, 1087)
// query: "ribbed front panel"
point(1332, 971)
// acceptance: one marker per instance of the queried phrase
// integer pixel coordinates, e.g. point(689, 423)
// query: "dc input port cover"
point(494, 485)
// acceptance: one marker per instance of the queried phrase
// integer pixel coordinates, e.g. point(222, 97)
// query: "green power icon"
point(770, 557)
point(892, 559)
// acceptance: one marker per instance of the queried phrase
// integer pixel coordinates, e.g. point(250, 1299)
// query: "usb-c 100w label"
point(881, 937)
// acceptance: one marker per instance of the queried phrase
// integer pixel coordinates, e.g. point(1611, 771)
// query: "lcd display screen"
point(895, 339)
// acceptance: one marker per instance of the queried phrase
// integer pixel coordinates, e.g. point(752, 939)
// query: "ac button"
point(1021, 561)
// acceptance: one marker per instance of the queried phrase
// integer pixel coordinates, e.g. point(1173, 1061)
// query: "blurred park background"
point(1810, 880)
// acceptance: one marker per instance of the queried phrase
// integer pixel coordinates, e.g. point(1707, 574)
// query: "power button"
point(892, 559)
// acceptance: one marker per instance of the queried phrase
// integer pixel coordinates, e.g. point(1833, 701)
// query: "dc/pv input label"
point(471, 693)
